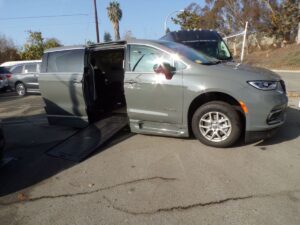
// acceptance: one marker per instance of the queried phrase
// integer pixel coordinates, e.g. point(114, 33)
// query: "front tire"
point(217, 124)
point(21, 89)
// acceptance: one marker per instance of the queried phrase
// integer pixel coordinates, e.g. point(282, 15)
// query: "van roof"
point(192, 35)
point(113, 43)
point(62, 48)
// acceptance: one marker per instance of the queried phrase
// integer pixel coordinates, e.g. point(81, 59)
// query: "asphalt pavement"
point(140, 179)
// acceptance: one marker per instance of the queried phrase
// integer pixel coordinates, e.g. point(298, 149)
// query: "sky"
point(145, 18)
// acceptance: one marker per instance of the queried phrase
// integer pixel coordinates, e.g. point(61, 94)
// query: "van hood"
point(254, 73)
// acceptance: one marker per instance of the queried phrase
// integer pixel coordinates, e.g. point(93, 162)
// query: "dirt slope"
point(281, 58)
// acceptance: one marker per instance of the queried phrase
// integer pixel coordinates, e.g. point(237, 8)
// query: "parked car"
point(206, 41)
point(4, 75)
point(24, 77)
point(167, 88)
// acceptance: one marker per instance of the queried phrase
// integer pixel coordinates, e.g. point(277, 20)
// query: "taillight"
point(8, 76)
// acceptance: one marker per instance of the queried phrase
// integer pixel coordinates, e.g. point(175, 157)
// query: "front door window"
point(143, 59)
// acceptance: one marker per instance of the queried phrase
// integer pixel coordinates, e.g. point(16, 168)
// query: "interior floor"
point(108, 81)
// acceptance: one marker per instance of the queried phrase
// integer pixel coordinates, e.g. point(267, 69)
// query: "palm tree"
point(115, 15)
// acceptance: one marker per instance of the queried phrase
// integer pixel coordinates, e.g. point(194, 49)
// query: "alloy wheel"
point(215, 126)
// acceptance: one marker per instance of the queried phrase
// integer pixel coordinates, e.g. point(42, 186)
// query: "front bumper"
point(253, 136)
point(266, 110)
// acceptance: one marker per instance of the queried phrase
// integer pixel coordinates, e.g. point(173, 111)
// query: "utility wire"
point(38, 17)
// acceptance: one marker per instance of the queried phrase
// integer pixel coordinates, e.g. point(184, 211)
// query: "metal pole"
point(96, 20)
point(244, 42)
point(167, 17)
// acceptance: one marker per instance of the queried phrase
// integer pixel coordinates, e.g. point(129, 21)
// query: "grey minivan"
point(165, 88)
point(24, 77)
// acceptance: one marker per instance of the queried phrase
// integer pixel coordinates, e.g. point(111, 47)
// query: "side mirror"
point(166, 69)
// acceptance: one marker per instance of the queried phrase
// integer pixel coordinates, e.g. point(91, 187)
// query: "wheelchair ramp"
point(85, 141)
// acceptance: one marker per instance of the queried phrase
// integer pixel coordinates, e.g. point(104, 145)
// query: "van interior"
point(106, 79)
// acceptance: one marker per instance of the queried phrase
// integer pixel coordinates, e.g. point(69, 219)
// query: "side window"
point(17, 69)
point(30, 68)
point(143, 58)
point(223, 50)
point(68, 61)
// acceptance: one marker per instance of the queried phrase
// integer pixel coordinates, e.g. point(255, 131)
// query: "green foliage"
point(115, 15)
point(284, 20)
point(89, 42)
point(8, 51)
point(35, 46)
point(271, 17)
point(107, 37)
point(51, 43)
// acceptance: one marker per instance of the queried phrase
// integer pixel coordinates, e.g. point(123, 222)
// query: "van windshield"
point(190, 53)
point(214, 48)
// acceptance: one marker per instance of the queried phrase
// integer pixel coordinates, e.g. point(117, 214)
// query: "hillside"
point(281, 58)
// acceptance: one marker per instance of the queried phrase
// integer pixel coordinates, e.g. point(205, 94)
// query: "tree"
point(298, 36)
point(51, 43)
point(89, 42)
point(107, 37)
point(278, 18)
point(8, 51)
point(35, 45)
point(115, 15)
point(226, 16)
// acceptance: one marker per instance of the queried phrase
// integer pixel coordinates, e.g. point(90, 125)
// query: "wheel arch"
point(214, 96)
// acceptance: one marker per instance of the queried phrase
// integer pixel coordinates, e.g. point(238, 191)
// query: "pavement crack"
point(167, 179)
point(195, 205)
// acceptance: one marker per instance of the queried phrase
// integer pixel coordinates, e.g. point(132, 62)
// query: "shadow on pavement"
point(27, 142)
point(289, 131)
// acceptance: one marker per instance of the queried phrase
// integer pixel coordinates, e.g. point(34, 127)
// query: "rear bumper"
point(3, 84)
point(253, 136)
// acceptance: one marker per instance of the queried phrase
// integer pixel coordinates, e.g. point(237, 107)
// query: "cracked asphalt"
point(139, 179)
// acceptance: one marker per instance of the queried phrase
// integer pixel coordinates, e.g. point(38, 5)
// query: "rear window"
point(66, 61)
point(3, 70)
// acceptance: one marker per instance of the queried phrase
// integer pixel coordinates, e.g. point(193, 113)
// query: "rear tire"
point(217, 124)
point(21, 89)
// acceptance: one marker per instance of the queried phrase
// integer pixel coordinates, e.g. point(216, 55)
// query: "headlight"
point(264, 85)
